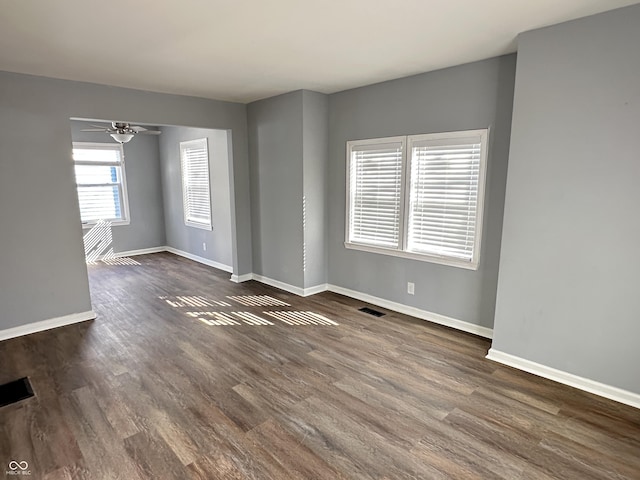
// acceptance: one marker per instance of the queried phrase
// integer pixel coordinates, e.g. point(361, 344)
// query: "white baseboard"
point(381, 302)
point(142, 251)
point(199, 259)
point(581, 383)
point(46, 324)
point(415, 312)
point(301, 292)
point(132, 253)
point(278, 284)
point(241, 278)
point(323, 287)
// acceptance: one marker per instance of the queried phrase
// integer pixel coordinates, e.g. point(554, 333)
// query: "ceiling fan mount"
point(121, 132)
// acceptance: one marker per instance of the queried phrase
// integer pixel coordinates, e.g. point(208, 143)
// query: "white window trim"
point(406, 178)
point(191, 223)
point(126, 220)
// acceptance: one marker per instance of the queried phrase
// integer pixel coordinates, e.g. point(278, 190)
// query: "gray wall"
point(190, 239)
point(472, 96)
point(42, 269)
point(142, 171)
point(315, 147)
point(275, 153)
point(288, 138)
point(568, 290)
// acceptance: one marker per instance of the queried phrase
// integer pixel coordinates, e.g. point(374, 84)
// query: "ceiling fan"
point(121, 132)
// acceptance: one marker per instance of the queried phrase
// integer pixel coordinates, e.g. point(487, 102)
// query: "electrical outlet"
point(204, 246)
point(411, 288)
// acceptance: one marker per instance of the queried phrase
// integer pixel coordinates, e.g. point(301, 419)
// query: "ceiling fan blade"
point(94, 130)
point(137, 128)
point(150, 132)
point(103, 127)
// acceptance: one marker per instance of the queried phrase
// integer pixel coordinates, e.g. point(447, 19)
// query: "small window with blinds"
point(100, 183)
point(194, 158)
point(375, 192)
point(419, 196)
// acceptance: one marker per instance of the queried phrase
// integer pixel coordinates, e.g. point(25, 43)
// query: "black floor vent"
point(15, 391)
point(371, 311)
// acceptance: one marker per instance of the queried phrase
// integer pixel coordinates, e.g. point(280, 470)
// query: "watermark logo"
point(18, 468)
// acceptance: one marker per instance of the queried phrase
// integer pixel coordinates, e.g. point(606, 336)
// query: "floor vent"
point(371, 311)
point(15, 391)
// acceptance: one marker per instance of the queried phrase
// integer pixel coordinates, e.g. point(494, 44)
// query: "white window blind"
point(194, 157)
point(375, 193)
point(419, 196)
point(443, 217)
point(99, 172)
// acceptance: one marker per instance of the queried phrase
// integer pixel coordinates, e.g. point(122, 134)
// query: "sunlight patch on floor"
point(228, 318)
point(181, 301)
point(208, 312)
point(258, 301)
point(215, 318)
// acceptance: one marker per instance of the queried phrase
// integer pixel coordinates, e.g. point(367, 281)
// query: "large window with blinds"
point(100, 181)
point(418, 196)
point(194, 159)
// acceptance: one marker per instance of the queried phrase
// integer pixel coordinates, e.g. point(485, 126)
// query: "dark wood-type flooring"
point(148, 390)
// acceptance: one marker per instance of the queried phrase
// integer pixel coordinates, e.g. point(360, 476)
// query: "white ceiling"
point(243, 50)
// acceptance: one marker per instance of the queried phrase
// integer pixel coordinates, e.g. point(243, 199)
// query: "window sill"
point(199, 225)
point(452, 262)
point(114, 223)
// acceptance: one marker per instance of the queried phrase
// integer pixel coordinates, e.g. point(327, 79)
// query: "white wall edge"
point(415, 312)
point(241, 278)
point(278, 284)
point(301, 292)
point(581, 383)
point(46, 325)
point(323, 287)
point(199, 259)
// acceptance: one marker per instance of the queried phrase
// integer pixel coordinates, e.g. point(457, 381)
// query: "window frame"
point(191, 223)
point(122, 184)
point(404, 212)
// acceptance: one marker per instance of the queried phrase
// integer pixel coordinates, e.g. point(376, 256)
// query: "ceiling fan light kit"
point(122, 132)
point(122, 137)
